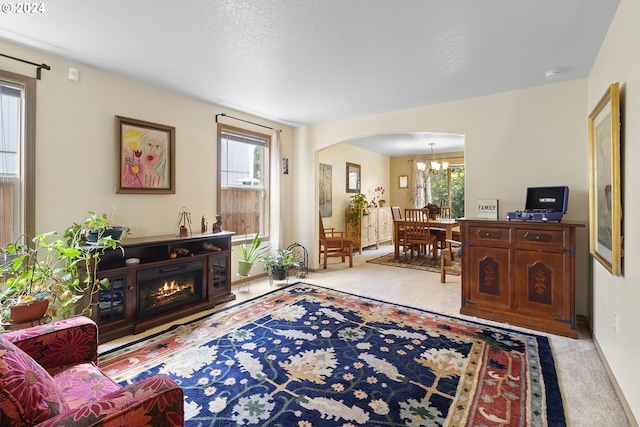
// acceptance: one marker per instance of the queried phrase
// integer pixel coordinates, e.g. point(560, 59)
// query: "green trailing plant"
point(358, 206)
point(280, 259)
point(83, 247)
point(62, 270)
point(30, 271)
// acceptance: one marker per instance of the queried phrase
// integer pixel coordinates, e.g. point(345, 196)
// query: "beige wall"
point(374, 172)
point(619, 61)
point(76, 148)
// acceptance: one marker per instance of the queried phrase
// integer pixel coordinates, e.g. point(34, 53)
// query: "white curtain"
point(421, 185)
point(277, 194)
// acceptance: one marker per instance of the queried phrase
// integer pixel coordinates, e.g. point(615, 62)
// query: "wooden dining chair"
point(334, 244)
point(396, 213)
point(417, 233)
point(450, 259)
point(416, 214)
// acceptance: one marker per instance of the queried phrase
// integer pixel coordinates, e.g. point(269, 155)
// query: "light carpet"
point(310, 356)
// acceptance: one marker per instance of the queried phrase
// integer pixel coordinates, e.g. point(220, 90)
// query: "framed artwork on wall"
point(403, 181)
point(146, 157)
point(325, 191)
point(605, 208)
point(353, 178)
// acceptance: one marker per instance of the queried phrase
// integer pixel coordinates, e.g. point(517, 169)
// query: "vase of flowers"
point(434, 210)
point(379, 193)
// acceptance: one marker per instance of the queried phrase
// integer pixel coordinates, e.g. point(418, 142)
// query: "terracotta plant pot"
point(21, 313)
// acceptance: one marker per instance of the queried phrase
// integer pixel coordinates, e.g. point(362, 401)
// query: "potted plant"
point(96, 227)
point(357, 208)
point(82, 248)
point(29, 273)
point(51, 273)
point(279, 263)
point(250, 254)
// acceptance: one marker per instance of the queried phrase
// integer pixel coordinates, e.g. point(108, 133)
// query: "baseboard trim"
point(625, 405)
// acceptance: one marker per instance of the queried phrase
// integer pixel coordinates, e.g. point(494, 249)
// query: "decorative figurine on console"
point(183, 228)
point(217, 226)
point(203, 225)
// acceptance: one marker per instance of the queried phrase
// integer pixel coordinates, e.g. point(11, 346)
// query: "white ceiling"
point(301, 62)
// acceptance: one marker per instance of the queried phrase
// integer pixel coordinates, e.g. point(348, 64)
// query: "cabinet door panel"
point(540, 282)
point(488, 281)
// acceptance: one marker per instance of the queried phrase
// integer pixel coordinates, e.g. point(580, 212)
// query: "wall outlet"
point(616, 323)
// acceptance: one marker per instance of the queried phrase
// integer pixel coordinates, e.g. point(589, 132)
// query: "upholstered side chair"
point(49, 376)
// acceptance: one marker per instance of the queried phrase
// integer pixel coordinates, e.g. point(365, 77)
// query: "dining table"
point(442, 223)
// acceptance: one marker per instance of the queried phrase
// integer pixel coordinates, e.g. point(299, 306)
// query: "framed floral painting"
point(146, 153)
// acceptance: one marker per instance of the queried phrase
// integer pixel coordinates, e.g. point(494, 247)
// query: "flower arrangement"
point(433, 209)
point(379, 193)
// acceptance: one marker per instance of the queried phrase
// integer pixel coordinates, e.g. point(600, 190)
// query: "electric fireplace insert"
point(165, 288)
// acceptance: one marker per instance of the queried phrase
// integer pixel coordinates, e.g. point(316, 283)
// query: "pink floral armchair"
point(49, 376)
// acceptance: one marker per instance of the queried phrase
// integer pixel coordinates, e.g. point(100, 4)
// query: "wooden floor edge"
point(612, 378)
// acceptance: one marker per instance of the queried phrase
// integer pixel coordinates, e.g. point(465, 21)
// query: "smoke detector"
point(554, 73)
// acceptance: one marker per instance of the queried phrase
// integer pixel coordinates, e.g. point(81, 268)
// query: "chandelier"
point(435, 166)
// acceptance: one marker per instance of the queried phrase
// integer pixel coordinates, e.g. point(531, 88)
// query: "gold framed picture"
point(605, 208)
point(403, 181)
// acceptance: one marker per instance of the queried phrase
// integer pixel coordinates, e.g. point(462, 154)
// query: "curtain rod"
point(40, 66)
point(243, 120)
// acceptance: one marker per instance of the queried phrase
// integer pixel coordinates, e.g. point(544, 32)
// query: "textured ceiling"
point(301, 62)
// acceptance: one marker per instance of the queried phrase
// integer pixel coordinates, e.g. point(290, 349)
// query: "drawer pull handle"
point(490, 234)
point(536, 237)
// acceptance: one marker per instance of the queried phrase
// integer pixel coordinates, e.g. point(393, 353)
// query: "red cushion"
point(28, 394)
point(82, 383)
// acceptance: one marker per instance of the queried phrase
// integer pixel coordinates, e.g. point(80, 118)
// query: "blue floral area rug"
point(310, 356)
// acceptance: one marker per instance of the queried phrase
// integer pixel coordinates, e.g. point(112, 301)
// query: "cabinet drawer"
point(544, 237)
point(489, 233)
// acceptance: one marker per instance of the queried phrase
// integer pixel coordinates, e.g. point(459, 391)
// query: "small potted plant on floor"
point(279, 263)
point(251, 253)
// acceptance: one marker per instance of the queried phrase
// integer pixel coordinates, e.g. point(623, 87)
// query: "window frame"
point(264, 234)
point(28, 153)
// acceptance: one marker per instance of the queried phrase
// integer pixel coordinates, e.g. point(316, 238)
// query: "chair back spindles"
point(396, 213)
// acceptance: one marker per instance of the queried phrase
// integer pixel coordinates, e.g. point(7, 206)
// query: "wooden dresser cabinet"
point(521, 273)
point(376, 227)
